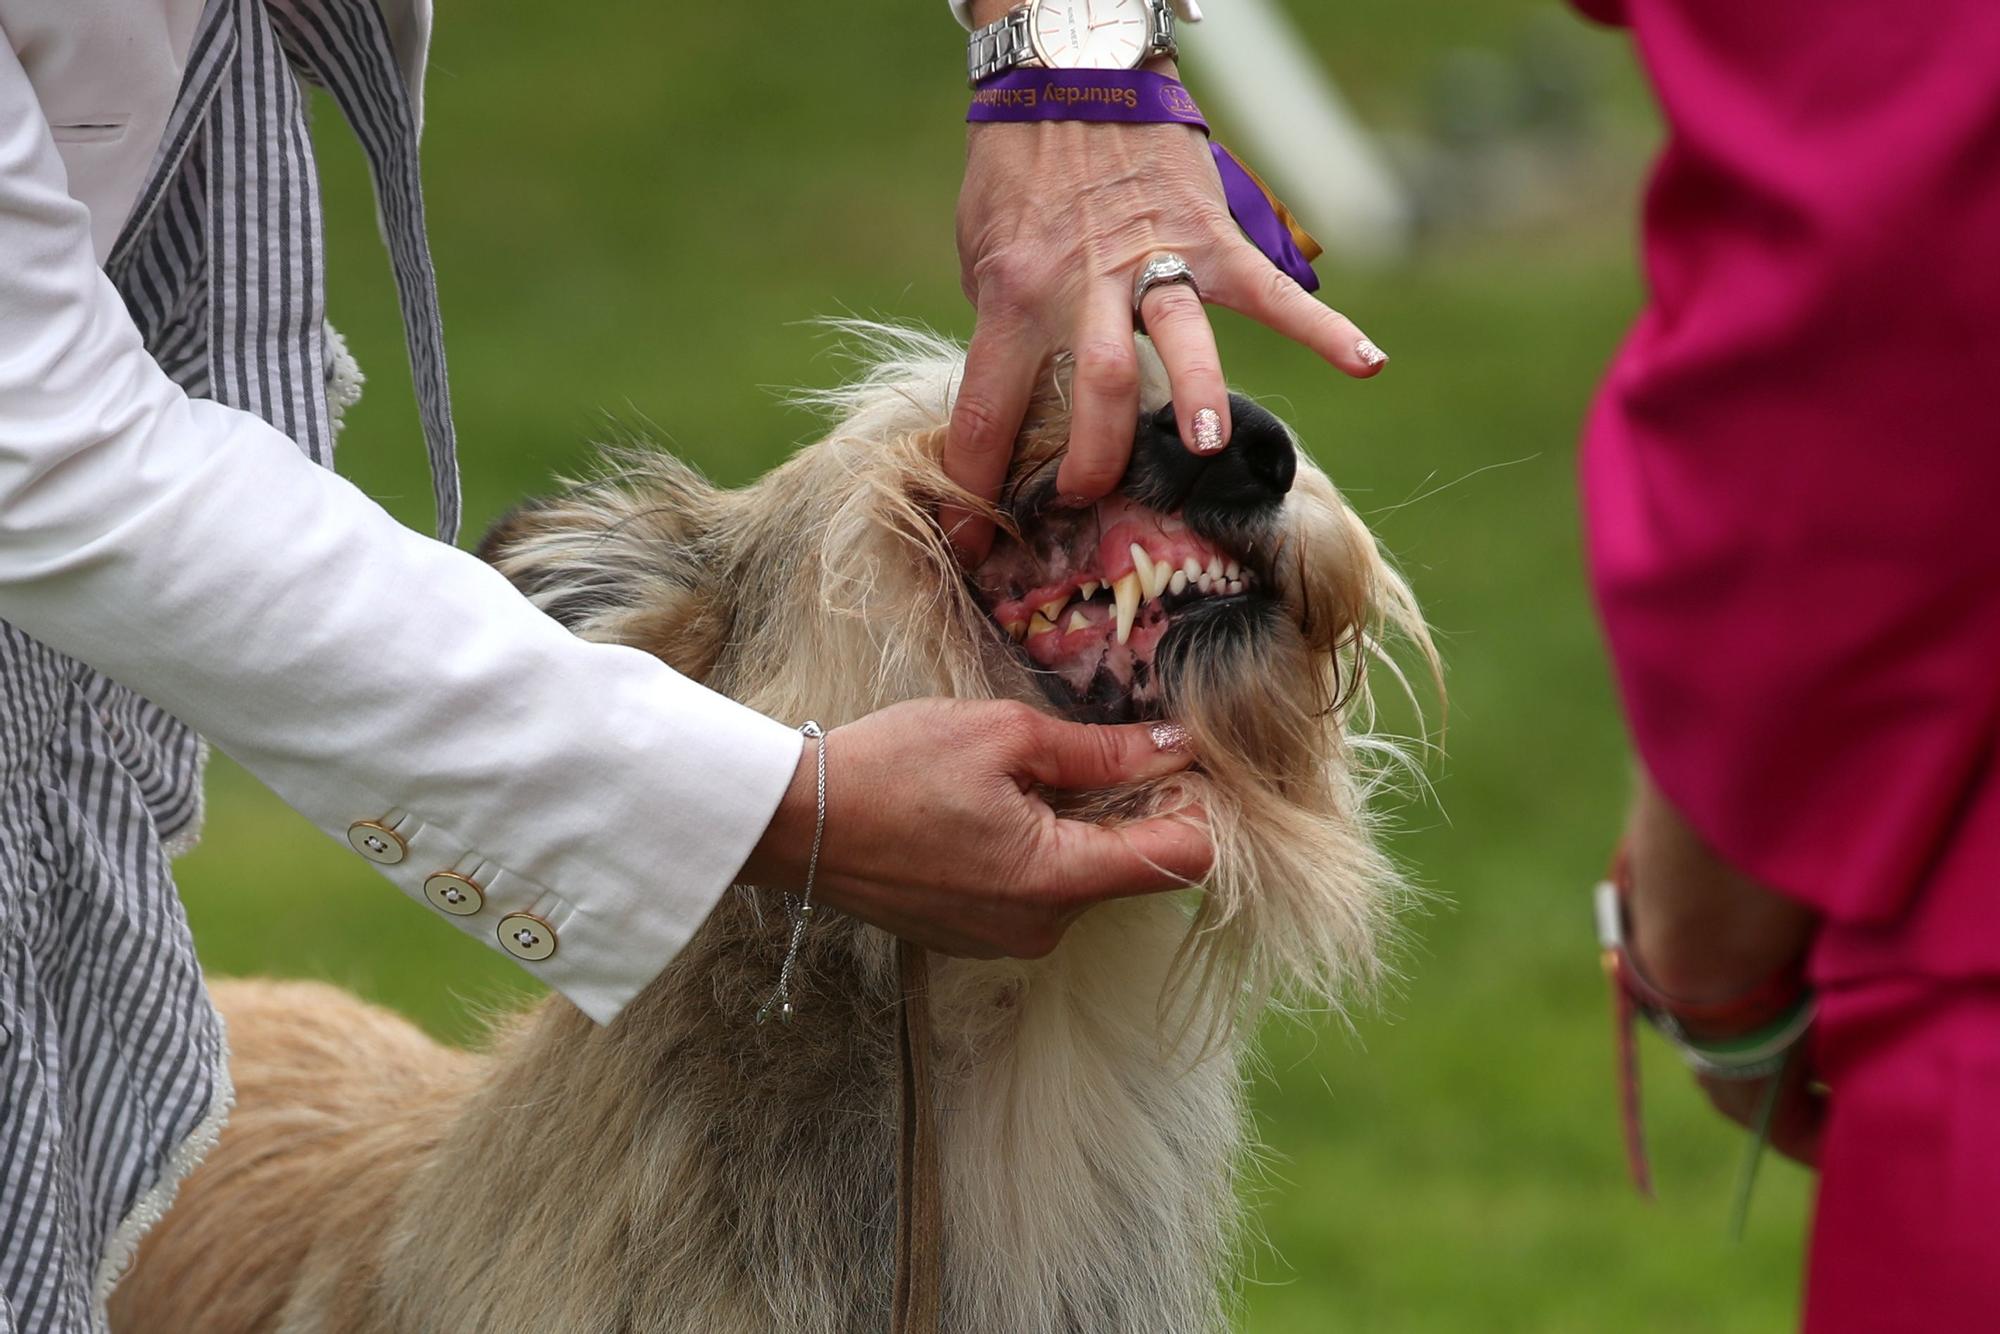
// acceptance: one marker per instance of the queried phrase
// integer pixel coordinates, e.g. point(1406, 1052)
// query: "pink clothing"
point(1792, 474)
point(1906, 1237)
point(1792, 492)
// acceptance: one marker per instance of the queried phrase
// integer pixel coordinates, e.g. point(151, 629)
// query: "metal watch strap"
point(1005, 43)
point(1001, 45)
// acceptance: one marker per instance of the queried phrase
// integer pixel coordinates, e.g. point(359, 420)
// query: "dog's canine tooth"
point(1143, 565)
point(1039, 624)
point(1078, 621)
point(1126, 592)
point(1016, 630)
point(1178, 584)
point(1191, 568)
point(1053, 608)
point(1089, 590)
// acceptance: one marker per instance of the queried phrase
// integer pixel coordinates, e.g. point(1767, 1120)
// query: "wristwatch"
point(1072, 34)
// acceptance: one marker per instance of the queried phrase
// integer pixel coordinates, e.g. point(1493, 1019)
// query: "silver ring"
point(1159, 271)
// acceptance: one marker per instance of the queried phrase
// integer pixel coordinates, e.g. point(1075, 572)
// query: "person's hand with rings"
point(1056, 220)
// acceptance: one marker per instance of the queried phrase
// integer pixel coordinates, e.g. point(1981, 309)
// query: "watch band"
point(1006, 42)
point(1001, 45)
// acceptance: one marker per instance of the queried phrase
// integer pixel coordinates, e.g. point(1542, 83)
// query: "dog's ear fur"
point(630, 558)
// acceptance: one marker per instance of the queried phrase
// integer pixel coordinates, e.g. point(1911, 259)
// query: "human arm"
point(366, 673)
point(1704, 933)
point(1054, 220)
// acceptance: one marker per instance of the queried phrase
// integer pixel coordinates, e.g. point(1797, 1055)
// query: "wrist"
point(779, 859)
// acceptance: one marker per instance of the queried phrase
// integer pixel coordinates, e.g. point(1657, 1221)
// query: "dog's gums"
point(1089, 595)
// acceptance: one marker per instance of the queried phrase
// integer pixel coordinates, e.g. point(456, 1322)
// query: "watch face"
point(1091, 34)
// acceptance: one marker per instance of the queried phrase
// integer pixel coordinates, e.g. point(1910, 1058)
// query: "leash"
point(917, 1298)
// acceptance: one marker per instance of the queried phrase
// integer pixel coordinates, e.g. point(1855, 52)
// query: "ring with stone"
point(1161, 270)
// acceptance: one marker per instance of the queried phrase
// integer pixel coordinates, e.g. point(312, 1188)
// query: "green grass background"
point(638, 208)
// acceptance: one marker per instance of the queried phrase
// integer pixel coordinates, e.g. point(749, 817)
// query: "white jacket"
point(364, 672)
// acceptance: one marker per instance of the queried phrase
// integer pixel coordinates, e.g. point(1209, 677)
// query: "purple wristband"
point(1141, 97)
point(1135, 96)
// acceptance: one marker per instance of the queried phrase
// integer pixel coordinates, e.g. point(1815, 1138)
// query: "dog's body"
point(684, 1169)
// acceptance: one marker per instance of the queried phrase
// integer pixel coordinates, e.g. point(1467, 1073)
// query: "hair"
point(683, 1168)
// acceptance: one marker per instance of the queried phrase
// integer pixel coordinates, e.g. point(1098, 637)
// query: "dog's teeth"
point(1178, 584)
point(1235, 587)
point(1039, 624)
point(1215, 568)
point(1126, 592)
point(1053, 608)
point(1089, 590)
point(1155, 582)
point(1142, 564)
point(1206, 583)
point(1078, 621)
point(1233, 570)
point(1017, 630)
point(1191, 568)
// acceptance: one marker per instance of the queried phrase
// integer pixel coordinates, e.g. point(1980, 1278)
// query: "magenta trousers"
point(1906, 1239)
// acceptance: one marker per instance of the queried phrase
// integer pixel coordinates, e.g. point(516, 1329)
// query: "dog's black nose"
point(1254, 472)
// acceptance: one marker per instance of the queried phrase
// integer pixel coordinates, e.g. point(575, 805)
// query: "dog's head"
point(1237, 595)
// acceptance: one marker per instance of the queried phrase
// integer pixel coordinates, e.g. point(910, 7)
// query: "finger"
point(1098, 862)
point(1077, 756)
point(1104, 402)
point(1250, 284)
point(1178, 325)
point(993, 396)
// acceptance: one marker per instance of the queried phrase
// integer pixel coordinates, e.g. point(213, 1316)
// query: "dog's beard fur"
point(683, 1169)
point(827, 590)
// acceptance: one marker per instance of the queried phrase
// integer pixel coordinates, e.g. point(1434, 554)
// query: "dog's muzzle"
point(1178, 556)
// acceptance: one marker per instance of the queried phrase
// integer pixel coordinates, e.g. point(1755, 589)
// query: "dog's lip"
point(1164, 550)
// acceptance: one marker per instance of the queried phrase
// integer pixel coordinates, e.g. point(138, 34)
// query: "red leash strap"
point(1631, 1109)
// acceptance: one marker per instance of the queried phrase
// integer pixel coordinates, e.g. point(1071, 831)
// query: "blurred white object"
point(1278, 105)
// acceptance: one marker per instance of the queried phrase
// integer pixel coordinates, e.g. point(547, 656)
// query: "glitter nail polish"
point(1370, 354)
point(1207, 431)
point(1170, 737)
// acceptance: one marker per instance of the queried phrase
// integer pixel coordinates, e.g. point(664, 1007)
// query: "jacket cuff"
point(597, 886)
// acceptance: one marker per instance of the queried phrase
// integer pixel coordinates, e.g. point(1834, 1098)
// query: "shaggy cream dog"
point(684, 1169)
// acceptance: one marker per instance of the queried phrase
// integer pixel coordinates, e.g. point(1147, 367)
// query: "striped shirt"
point(113, 1066)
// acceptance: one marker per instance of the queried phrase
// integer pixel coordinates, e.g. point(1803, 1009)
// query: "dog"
point(685, 1169)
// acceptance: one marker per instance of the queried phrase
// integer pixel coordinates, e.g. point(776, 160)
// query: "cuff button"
point(451, 892)
point(527, 937)
point(377, 842)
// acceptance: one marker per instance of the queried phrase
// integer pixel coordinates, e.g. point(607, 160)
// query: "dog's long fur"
point(685, 1170)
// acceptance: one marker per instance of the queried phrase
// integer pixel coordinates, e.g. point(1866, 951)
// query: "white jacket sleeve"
point(367, 674)
point(1187, 10)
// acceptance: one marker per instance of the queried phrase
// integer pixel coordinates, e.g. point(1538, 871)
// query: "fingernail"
point(1370, 354)
point(1170, 737)
point(1207, 431)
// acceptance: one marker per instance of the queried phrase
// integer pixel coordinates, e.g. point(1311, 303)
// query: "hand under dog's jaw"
point(1089, 595)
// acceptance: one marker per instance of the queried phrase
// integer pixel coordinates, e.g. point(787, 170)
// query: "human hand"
point(935, 831)
point(1054, 222)
point(1796, 1122)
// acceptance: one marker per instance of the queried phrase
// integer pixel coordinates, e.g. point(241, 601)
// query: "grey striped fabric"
point(113, 1068)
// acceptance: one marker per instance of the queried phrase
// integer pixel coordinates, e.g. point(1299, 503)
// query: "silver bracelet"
point(799, 907)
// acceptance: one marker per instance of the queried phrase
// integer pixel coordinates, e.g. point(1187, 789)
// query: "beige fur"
point(685, 1170)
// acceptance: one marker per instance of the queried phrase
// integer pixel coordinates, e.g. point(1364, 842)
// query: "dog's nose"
point(1255, 471)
